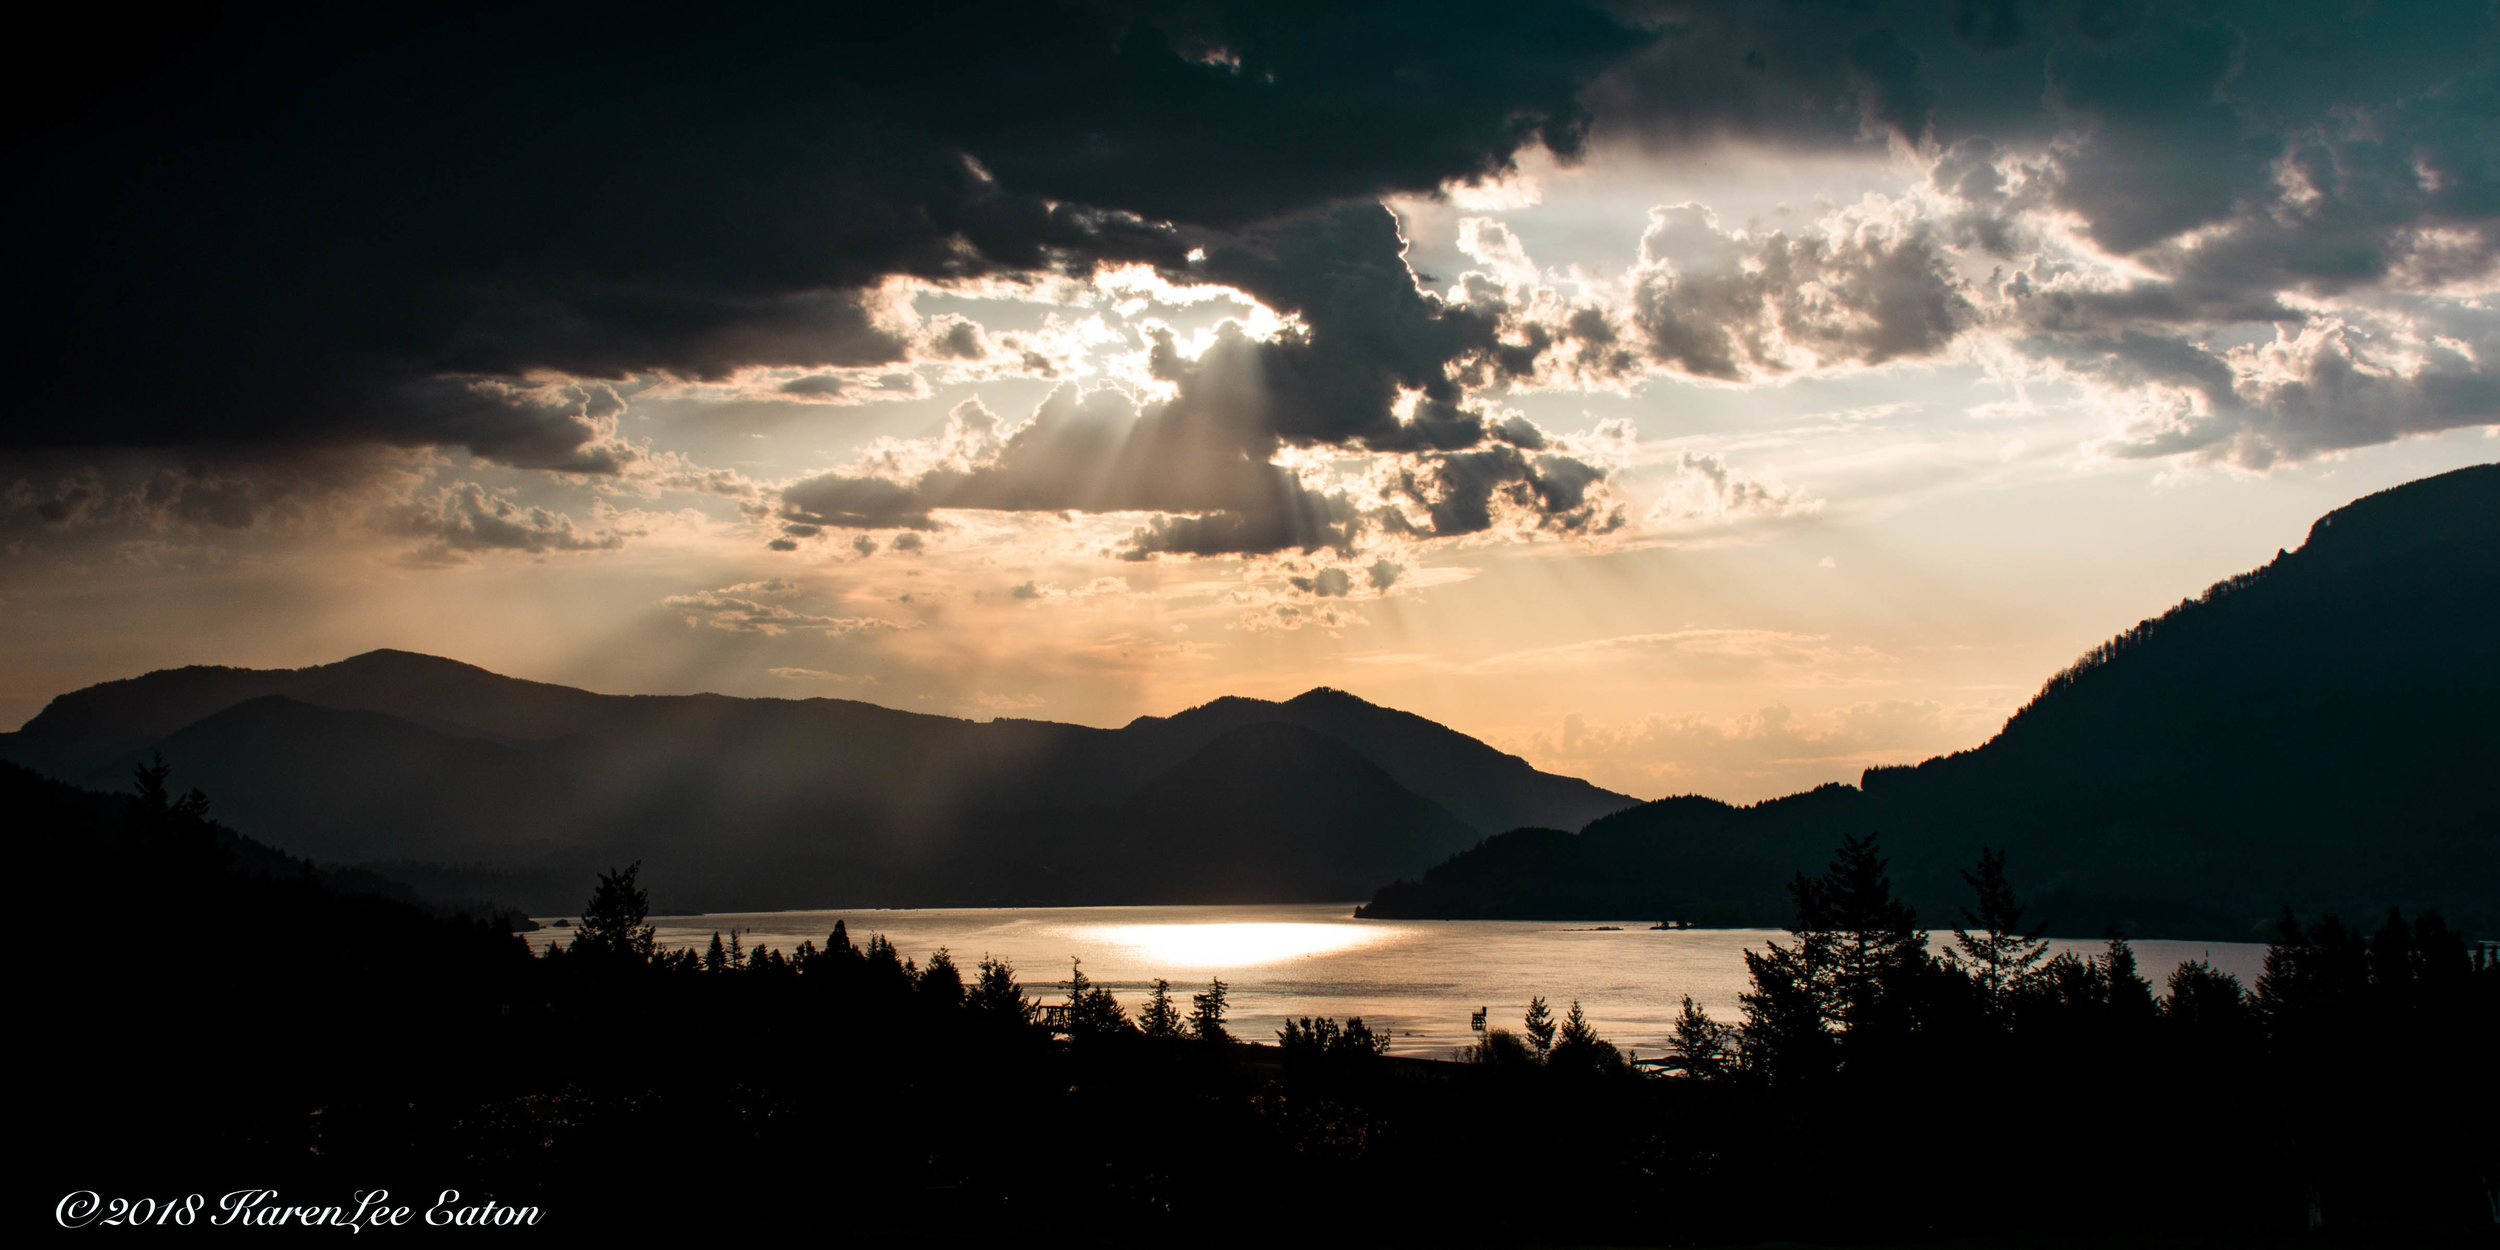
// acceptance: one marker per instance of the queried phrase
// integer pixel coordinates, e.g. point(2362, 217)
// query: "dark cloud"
point(1459, 493)
point(2157, 148)
point(2150, 123)
point(465, 517)
point(1808, 73)
point(258, 226)
point(1731, 306)
point(289, 493)
point(1328, 583)
point(2323, 389)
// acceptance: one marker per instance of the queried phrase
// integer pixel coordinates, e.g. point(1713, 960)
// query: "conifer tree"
point(1879, 946)
point(2130, 995)
point(715, 957)
point(1078, 982)
point(941, 984)
point(2001, 954)
point(997, 998)
point(1206, 1013)
point(612, 925)
point(1788, 1016)
point(1575, 1027)
point(1701, 1046)
point(1098, 1014)
point(2207, 1006)
point(885, 967)
point(1578, 1048)
point(1160, 1018)
point(2315, 977)
point(1539, 1024)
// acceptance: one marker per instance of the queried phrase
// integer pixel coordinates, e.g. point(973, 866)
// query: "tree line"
point(261, 1028)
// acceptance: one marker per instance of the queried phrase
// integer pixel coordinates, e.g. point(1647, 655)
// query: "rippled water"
point(1419, 979)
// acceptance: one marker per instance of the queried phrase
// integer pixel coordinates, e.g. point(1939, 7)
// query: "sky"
point(1694, 398)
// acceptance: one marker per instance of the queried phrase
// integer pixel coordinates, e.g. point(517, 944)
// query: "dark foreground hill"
point(2322, 732)
point(467, 783)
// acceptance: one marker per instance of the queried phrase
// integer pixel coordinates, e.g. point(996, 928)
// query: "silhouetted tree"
point(996, 998)
point(1206, 1013)
point(941, 985)
point(2001, 953)
point(1159, 1017)
point(1501, 1050)
point(1700, 1045)
point(2315, 978)
point(1539, 1025)
point(885, 970)
point(1878, 946)
point(612, 925)
point(2130, 996)
point(147, 782)
point(1091, 1010)
point(1579, 1049)
point(2065, 991)
point(715, 957)
point(174, 837)
point(2207, 1006)
point(1788, 1016)
point(1319, 1048)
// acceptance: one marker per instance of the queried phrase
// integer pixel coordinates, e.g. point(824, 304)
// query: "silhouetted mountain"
point(68, 823)
point(1273, 811)
point(2319, 732)
point(1476, 783)
point(484, 784)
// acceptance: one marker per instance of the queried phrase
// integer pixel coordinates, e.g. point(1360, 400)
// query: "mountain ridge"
point(835, 796)
point(2311, 733)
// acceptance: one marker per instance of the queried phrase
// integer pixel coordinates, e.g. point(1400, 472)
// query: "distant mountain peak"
point(394, 658)
point(1328, 696)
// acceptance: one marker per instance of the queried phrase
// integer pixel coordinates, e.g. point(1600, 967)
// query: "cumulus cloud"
point(1705, 490)
point(1872, 286)
point(465, 518)
point(1279, 617)
point(1098, 588)
point(1326, 584)
point(745, 609)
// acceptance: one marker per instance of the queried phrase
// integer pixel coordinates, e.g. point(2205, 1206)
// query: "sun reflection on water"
point(1235, 945)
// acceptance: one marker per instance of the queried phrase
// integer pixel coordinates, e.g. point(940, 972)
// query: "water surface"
point(1417, 979)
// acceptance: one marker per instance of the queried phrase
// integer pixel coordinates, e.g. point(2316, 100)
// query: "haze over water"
point(1417, 979)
